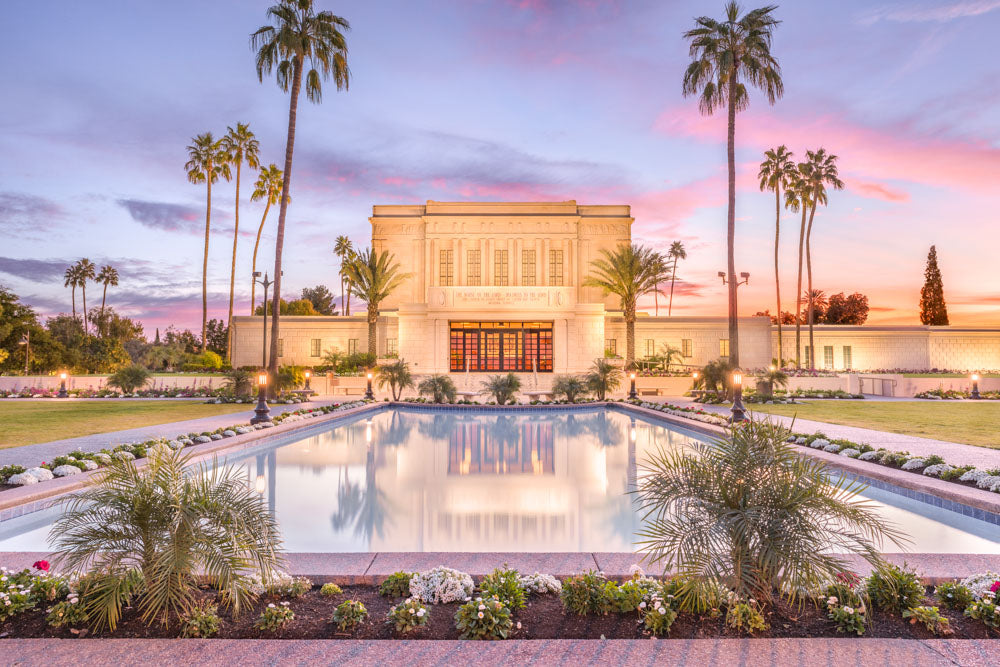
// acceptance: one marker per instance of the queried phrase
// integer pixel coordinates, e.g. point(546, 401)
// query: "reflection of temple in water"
point(527, 448)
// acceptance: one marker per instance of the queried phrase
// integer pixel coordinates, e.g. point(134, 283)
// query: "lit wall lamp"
point(62, 385)
point(631, 389)
point(975, 386)
point(739, 412)
point(262, 413)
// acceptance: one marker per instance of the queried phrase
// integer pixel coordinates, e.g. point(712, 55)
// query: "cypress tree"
point(933, 310)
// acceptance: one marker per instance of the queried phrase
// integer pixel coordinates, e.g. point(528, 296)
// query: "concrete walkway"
point(836, 652)
point(32, 455)
point(953, 452)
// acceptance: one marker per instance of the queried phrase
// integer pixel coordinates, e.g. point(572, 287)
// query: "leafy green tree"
point(373, 277)
point(18, 320)
point(503, 388)
point(112, 325)
point(604, 377)
point(187, 340)
point(749, 512)
point(108, 275)
point(298, 39)
point(842, 309)
point(440, 387)
point(268, 188)
point(321, 299)
point(344, 249)
point(207, 162)
point(776, 172)
point(218, 336)
point(152, 533)
point(129, 378)
point(933, 310)
point(241, 146)
point(570, 387)
point(396, 375)
point(629, 271)
point(299, 308)
point(726, 55)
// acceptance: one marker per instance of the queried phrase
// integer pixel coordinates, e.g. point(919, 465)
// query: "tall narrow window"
point(650, 347)
point(528, 267)
point(475, 268)
point(611, 347)
point(352, 346)
point(808, 354)
point(314, 345)
point(447, 264)
point(391, 347)
point(500, 270)
point(687, 348)
point(281, 347)
point(848, 361)
point(555, 268)
point(828, 356)
point(723, 347)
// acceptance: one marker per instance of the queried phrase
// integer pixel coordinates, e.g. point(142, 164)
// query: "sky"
point(499, 100)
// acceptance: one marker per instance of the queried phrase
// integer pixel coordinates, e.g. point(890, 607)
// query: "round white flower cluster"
point(914, 463)
point(441, 585)
point(850, 452)
point(833, 449)
point(938, 469)
point(979, 584)
point(539, 584)
point(820, 443)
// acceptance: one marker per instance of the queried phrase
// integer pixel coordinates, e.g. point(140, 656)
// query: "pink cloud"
point(879, 191)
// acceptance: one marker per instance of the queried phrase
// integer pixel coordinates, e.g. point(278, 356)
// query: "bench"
point(349, 391)
point(537, 394)
point(467, 394)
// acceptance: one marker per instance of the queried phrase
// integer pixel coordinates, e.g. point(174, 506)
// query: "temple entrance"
point(490, 347)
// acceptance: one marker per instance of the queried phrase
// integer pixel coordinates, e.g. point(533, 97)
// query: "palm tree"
point(797, 192)
point(268, 188)
point(242, 146)
point(776, 171)
point(629, 271)
point(207, 161)
point(71, 279)
point(440, 387)
point(86, 271)
point(396, 375)
point(725, 54)
point(603, 377)
point(569, 386)
point(503, 388)
point(343, 249)
point(821, 172)
point(373, 277)
point(107, 276)
point(299, 39)
point(676, 252)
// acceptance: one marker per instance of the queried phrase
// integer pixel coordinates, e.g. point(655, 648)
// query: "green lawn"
point(966, 421)
point(28, 422)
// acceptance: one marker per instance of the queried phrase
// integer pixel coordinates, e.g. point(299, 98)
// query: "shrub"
point(349, 614)
point(149, 531)
point(660, 615)
point(329, 590)
point(539, 584)
point(570, 387)
point(408, 615)
point(9, 471)
point(275, 617)
point(290, 377)
point(744, 616)
point(130, 378)
point(930, 617)
point(201, 621)
point(953, 595)
point(849, 618)
point(986, 611)
point(603, 378)
point(893, 589)
point(441, 585)
point(722, 512)
point(503, 388)
point(240, 381)
point(980, 585)
point(68, 612)
point(396, 375)
point(504, 585)
point(483, 619)
point(286, 586)
point(205, 361)
point(440, 387)
point(396, 585)
point(632, 594)
point(588, 593)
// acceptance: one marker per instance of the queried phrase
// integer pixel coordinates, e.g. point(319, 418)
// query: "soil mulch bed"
point(542, 618)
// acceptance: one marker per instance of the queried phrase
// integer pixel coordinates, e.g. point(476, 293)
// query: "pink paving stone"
point(478, 564)
point(339, 568)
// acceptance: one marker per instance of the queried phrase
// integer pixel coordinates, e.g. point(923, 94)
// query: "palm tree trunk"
point(347, 310)
point(204, 264)
point(279, 243)
point(256, 245)
point(798, 294)
point(809, 294)
point(777, 279)
point(629, 336)
point(341, 289)
point(83, 289)
point(104, 297)
point(73, 292)
point(673, 277)
point(232, 269)
point(734, 332)
point(372, 332)
point(656, 297)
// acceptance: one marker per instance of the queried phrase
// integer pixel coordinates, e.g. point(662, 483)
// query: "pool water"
point(418, 479)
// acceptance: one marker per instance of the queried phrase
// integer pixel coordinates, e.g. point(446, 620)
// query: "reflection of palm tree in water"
point(621, 511)
point(366, 508)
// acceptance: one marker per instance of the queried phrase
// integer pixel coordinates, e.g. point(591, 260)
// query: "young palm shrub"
point(240, 381)
point(748, 512)
point(570, 387)
point(716, 375)
point(776, 379)
point(440, 387)
point(150, 532)
point(396, 375)
point(603, 377)
point(290, 377)
point(130, 378)
point(503, 388)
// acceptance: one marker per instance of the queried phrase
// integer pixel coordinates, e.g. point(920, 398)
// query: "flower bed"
point(585, 606)
point(956, 395)
point(75, 462)
point(696, 414)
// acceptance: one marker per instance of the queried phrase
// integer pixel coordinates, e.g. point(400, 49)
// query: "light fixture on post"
point(975, 386)
point(262, 413)
point(62, 385)
point(369, 394)
point(744, 278)
point(631, 388)
point(308, 375)
point(739, 412)
point(265, 284)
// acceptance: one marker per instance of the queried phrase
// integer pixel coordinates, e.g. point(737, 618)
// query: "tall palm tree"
point(107, 276)
point(207, 161)
point(629, 271)
point(724, 55)
point(797, 193)
point(87, 271)
point(776, 171)
point(299, 38)
point(821, 172)
point(268, 187)
point(71, 279)
point(676, 252)
point(373, 277)
point(242, 146)
point(343, 249)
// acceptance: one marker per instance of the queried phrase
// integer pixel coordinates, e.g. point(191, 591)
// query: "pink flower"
point(42, 565)
point(995, 587)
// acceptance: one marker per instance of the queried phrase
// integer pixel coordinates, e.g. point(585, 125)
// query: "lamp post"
point(26, 342)
point(308, 375)
point(369, 394)
point(631, 387)
point(265, 284)
point(975, 386)
point(62, 386)
point(739, 412)
point(261, 413)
